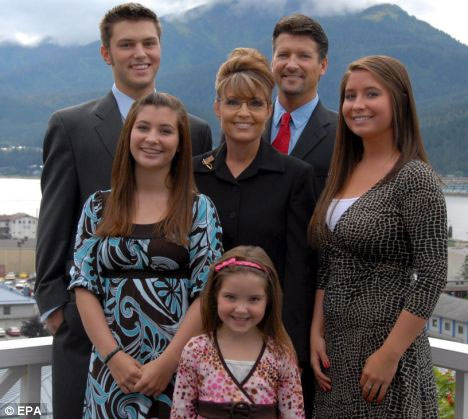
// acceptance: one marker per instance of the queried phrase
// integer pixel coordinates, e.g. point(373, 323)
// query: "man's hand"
point(54, 321)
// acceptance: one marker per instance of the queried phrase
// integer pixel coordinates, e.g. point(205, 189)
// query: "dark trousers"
point(308, 389)
point(71, 350)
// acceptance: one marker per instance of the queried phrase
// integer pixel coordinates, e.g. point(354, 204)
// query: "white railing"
point(454, 356)
point(24, 358)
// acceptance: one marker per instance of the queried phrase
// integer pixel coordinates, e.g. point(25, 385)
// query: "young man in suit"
point(78, 149)
point(300, 125)
point(300, 48)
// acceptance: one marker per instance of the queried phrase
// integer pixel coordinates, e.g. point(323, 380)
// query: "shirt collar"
point(124, 102)
point(299, 116)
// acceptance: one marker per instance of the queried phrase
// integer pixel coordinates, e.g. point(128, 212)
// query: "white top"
point(239, 369)
point(336, 209)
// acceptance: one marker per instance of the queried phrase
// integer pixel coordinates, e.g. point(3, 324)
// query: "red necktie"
point(281, 142)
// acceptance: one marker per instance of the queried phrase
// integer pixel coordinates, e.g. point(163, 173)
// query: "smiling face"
point(367, 107)
point(241, 302)
point(244, 123)
point(297, 68)
point(134, 54)
point(154, 138)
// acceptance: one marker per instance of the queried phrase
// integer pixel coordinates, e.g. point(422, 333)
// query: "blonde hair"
point(245, 72)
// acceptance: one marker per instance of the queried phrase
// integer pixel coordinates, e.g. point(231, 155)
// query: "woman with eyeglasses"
point(263, 197)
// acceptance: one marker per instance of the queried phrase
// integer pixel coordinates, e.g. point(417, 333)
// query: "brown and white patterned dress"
point(387, 253)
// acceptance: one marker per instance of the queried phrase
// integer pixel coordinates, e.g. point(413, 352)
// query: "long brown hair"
point(349, 149)
point(271, 324)
point(120, 204)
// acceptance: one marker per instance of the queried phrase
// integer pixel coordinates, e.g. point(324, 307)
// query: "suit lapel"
point(312, 135)
point(109, 122)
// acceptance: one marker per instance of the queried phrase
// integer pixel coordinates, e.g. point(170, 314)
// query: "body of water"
point(24, 195)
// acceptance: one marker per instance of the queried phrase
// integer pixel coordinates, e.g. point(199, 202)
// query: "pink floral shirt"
point(203, 375)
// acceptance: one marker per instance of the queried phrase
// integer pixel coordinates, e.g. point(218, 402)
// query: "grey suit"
point(315, 145)
point(78, 150)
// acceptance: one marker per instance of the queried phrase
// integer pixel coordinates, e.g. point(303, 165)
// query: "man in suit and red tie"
point(300, 125)
point(78, 149)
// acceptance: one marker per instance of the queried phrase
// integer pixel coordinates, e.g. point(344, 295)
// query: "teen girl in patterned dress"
point(244, 365)
point(142, 256)
point(381, 228)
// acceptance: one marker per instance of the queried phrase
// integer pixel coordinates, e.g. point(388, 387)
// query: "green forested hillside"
point(38, 80)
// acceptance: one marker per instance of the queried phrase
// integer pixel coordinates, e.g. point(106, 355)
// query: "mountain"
point(38, 80)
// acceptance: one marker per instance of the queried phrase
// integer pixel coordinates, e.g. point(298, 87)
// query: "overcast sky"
point(76, 21)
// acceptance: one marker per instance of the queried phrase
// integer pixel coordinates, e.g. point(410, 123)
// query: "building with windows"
point(450, 319)
point(18, 226)
point(15, 307)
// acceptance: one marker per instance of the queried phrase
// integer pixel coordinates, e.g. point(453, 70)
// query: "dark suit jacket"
point(315, 145)
point(269, 205)
point(78, 149)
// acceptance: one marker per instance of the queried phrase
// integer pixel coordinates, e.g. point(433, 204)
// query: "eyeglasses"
point(254, 104)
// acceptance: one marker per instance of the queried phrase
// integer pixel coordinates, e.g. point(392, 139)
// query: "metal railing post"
point(461, 395)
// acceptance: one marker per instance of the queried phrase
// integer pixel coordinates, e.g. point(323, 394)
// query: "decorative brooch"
point(208, 162)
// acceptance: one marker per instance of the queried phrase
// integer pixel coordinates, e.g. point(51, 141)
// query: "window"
point(461, 330)
point(6, 310)
point(434, 322)
point(446, 325)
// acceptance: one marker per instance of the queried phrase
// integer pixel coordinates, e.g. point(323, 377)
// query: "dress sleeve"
point(290, 399)
point(425, 220)
point(205, 245)
point(185, 395)
point(85, 270)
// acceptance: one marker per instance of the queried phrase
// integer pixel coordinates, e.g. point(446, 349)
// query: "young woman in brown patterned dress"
point(380, 226)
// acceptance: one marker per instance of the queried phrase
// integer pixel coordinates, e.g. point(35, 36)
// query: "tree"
point(33, 328)
point(445, 392)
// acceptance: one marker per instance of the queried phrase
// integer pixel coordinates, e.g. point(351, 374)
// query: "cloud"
point(67, 22)
point(76, 21)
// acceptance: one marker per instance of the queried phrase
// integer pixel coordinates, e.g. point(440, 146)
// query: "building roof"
point(452, 308)
point(9, 296)
point(16, 216)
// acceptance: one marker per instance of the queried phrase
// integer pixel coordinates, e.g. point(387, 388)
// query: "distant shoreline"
point(19, 177)
point(450, 193)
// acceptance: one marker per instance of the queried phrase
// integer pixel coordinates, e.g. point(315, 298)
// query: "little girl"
point(244, 365)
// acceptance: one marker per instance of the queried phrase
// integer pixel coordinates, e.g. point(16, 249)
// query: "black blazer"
point(269, 205)
point(78, 150)
point(315, 145)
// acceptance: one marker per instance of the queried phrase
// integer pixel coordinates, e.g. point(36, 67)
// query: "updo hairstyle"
point(245, 72)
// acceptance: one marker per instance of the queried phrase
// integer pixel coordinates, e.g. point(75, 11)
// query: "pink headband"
point(235, 262)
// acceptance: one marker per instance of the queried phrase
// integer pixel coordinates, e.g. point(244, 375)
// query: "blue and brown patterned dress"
point(145, 284)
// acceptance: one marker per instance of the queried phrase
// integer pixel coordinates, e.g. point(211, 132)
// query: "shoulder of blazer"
point(100, 107)
point(324, 115)
point(196, 121)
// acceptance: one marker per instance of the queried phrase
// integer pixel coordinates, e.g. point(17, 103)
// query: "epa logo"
point(35, 409)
